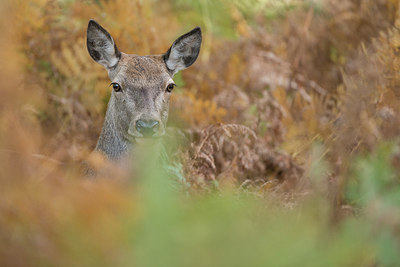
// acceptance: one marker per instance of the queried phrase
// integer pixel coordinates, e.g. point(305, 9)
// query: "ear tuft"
point(184, 51)
point(101, 45)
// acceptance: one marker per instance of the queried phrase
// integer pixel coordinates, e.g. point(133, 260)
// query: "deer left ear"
point(184, 51)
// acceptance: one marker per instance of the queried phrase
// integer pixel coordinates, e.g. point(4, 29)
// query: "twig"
point(34, 155)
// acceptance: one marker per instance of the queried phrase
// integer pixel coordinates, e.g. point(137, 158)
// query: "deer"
point(141, 88)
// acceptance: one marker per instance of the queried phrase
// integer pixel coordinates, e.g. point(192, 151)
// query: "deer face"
point(142, 85)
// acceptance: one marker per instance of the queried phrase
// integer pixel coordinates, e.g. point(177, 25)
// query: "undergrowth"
point(283, 146)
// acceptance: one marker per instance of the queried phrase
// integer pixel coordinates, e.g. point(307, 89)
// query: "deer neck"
point(111, 141)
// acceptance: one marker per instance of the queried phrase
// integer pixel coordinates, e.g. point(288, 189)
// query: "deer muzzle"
point(147, 128)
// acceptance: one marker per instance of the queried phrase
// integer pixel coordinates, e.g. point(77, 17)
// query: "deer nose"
point(147, 127)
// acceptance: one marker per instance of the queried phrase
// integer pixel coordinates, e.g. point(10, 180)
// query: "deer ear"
point(184, 51)
point(101, 45)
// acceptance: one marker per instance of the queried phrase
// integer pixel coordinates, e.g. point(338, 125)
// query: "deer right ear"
point(101, 45)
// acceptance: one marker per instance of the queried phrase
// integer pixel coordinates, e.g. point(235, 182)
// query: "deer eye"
point(170, 87)
point(116, 87)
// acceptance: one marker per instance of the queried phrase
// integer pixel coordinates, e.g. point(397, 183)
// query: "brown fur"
point(143, 81)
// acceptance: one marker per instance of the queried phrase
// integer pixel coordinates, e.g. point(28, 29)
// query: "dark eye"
point(116, 87)
point(170, 87)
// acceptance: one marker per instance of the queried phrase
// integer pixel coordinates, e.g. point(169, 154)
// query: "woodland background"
point(286, 128)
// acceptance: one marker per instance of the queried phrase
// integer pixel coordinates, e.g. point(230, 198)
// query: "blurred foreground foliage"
point(289, 122)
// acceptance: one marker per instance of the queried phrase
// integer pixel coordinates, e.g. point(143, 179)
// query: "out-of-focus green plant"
point(218, 16)
point(375, 180)
point(231, 229)
point(375, 188)
point(273, 9)
point(215, 16)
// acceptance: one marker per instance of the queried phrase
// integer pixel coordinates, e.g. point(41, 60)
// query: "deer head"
point(142, 86)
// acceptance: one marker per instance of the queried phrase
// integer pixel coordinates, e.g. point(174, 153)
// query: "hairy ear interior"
point(101, 45)
point(184, 51)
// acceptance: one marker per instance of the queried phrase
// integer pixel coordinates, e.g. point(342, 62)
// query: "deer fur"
point(144, 87)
